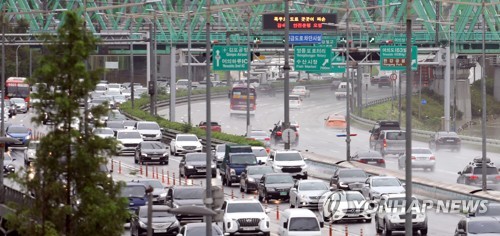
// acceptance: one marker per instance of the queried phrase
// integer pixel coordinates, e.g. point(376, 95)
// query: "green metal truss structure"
point(230, 18)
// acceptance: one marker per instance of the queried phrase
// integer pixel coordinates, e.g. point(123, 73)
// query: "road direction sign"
point(305, 38)
point(402, 40)
point(289, 136)
point(230, 58)
point(394, 57)
point(329, 42)
point(336, 68)
point(312, 58)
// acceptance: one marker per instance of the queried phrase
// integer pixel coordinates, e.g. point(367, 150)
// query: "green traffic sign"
point(330, 42)
point(313, 58)
point(336, 68)
point(230, 58)
point(394, 57)
point(402, 40)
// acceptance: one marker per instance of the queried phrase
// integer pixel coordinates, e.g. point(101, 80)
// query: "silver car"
point(306, 193)
point(376, 186)
point(420, 158)
point(21, 105)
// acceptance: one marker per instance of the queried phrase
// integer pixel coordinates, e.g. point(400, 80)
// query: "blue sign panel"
point(305, 38)
point(424, 101)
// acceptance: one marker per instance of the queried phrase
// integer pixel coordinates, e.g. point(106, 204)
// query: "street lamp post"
point(190, 80)
point(348, 103)
point(286, 69)
point(17, 61)
point(483, 110)
point(250, 53)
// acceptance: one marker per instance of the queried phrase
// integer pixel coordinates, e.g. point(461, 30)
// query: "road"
point(315, 138)
point(441, 224)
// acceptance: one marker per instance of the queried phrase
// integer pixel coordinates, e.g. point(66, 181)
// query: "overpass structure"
point(436, 21)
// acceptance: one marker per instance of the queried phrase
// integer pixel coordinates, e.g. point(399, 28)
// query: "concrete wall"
point(198, 73)
point(463, 97)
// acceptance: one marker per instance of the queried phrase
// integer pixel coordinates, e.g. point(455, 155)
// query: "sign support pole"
point(286, 69)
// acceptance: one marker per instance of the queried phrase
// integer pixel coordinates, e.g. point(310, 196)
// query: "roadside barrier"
point(173, 177)
point(163, 176)
point(277, 212)
point(330, 230)
point(346, 230)
point(232, 194)
point(147, 170)
point(120, 167)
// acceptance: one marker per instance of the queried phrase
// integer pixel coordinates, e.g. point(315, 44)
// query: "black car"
point(445, 140)
point(472, 174)
point(249, 179)
point(8, 165)
point(277, 132)
point(369, 157)
point(151, 151)
point(186, 196)
point(484, 225)
point(163, 222)
point(115, 125)
point(384, 81)
point(348, 179)
point(195, 164)
point(275, 186)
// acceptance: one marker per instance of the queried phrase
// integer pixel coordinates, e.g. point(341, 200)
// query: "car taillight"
point(380, 161)
point(363, 161)
point(278, 133)
point(268, 150)
point(267, 139)
point(433, 158)
point(473, 177)
point(497, 177)
point(413, 158)
point(385, 142)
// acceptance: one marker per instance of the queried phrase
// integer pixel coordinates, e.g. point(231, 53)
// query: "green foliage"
point(492, 106)
point(72, 196)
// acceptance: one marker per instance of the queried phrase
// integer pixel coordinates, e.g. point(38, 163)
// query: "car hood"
point(241, 215)
point(353, 180)
point(130, 140)
point(159, 219)
point(312, 193)
point(154, 151)
point(388, 189)
point(158, 191)
point(188, 143)
point(137, 201)
point(220, 155)
point(149, 131)
point(256, 177)
point(105, 135)
point(196, 163)
point(350, 204)
point(289, 163)
point(280, 185)
point(18, 135)
point(189, 202)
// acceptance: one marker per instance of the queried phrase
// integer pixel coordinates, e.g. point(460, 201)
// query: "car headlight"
point(250, 179)
point(165, 154)
point(158, 135)
point(232, 172)
point(343, 185)
point(271, 189)
point(213, 166)
point(199, 147)
point(142, 224)
point(303, 166)
point(178, 146)
point(189, 167)
point(144, 154)
point(163, 195)
point(304, 197)
point(175, 224)
point(175, 205)
point(278, 167)
point(27, 136)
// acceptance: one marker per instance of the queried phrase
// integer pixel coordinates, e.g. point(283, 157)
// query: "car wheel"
point(423, 232)
point(261, 199)
point(369, 220)
point(214, 175)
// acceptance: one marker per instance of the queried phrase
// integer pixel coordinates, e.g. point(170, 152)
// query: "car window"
point(484, 227)
point(244, 159)
point(220, 148)
point(196, 158)
point(128, 135)
point(153, 145)
point(148, 126)
point(17, 129)
point(385, 182)
point(260, 152)
point(303, 224)
point(188, 193)
point(152, 183)
point(291, 156)
point(133, 191)
point(352, 174)
point(244, 207)
point(116, 125)
point(492, 210)
point(156, 214)
point(421, 151)
point(201, 230)
point(490, 170)
point(311, 186)
point(396, 135)
point(279, 179)
point(187, 138)
point(353, 197)
point(258, 134)
point(103, 131)
point(260, 170)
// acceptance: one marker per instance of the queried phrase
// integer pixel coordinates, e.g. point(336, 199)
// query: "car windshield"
point(353, 197)
point(312, 186)
point(243, 159)
point(299, 88)
point(279, 179)
point(133, 191)
point(115, 125)
point(152, 145)
point(260, 170)
point(244, 207)
point(492, 210)
point(17, 129)
point(119, 97)
point(182, 82)
point(101, 88)
point(153, 183)
point(156, 214)
point(103, 131)
point(399, 202)
point(421, 151)
point(293, 156)
point(369, 154)
point(258, 134)
point(383, 182)
point(220, 148)
point(114, 86)
point(260, 152)
point(396, 135)
point(188, 193)
point(129, 123)
point(201, 230)
point(99, 101)
point(187, 138)
point(303, 224)
point(489, 171)
point(484, 227)
point(17, 100)
point(352, 174)
point(196, 157)
point(128, 135)
point(148, 126)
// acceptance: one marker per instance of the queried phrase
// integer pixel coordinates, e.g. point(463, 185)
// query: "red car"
point(215, 126)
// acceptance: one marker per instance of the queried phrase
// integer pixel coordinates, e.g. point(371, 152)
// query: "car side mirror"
point(321, 224)
point(460, 172)
point(293, 189)
point(285, 225)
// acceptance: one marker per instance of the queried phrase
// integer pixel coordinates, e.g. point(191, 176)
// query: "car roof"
point(277, 174)
point(151, 142)
point(483, 218)
point(383, 177)
point(128, 131)
point(299, 212)
point(286, 151)
point(15, 125)
point(135, 184)
point(242, 201)
point(178, 187)
point(147, 122)
point(186, 135)
point(449, 134)
point(258, 147)
point(346, 169)
point(310, 181)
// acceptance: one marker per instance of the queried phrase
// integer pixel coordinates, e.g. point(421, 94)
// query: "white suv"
point(149, 130)
point(392, 218)
point(245, 216)
point(290, 162)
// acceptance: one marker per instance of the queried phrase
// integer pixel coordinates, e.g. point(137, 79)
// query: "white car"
point(288, 161)
point(128, 140)
point(260, 135)
point(341, 91)
point(182, 84)
point(114, 88)
point(301, 91)
point(389, 219)
point(306, 193)
point(260, 153)
point(104, 132)
point(21, 105)
point(220, 151)
point(421, 157)
point(376, 186)
point(75, 124)
point(344, 205)
point(245, 216)
point(295, 102)
point(31, 152)
point(185, 143)
point(149, 130)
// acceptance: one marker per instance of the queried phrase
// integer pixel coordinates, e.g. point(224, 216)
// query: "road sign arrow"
point(325, 62)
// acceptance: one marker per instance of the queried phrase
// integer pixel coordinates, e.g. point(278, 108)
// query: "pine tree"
point(71, 195)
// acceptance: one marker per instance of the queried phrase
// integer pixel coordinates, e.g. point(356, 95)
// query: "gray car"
point(306, 193)
point(186, 196)
point(159, 191)
point(375, 186)
point(21, 105)
point(151, 151)
point(249, 179)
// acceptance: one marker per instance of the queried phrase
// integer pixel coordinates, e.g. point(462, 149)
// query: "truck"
point(236, 158)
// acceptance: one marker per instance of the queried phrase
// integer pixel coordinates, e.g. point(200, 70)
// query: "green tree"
point(71, 195)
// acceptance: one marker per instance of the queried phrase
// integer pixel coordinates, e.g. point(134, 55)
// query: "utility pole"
point(455, 79)
point(155, 67)
point(190, 79)
point(250, 55)
point(408, 169)
point(286, 69)
point(208, 148)
point(348, 98)
point(151, 87)
point(2, 124)
point(483, 110)
point(132, 74)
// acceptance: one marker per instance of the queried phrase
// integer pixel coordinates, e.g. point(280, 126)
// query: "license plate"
point(202, 171)
point(450, 141)
point(352, 215)
point(155, 158)
point(283, 193)
point(372, 162)
point(247, 228)
point(160, 230)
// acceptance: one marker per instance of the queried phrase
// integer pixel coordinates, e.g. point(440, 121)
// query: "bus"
point(238, 99)
point(17, 87)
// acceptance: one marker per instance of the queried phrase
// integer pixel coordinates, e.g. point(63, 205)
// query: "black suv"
point(384, 81)
point(472, 173)
point(379, 126)
point(277, 131)
point(348, 179)
point(447, 140)
point(275, 186)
